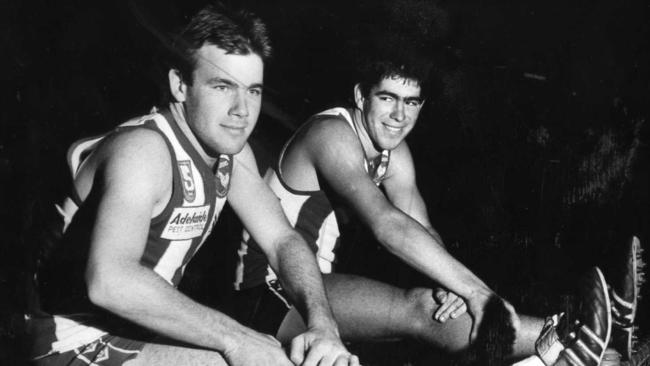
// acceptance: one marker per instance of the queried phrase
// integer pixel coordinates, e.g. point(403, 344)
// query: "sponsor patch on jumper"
point(186, 223)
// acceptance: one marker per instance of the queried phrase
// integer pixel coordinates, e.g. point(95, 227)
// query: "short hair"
point(237, 32)
point(393, 57)
point(373, 72)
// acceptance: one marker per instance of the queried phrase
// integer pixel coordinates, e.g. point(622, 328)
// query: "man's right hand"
point(256, 349)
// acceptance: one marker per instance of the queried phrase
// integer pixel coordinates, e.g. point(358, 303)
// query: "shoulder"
point(131, 138)
point(140, 152)
point(328, 123)
point(329, 134)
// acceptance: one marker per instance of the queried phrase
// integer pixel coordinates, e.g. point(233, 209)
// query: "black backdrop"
point(532, 158)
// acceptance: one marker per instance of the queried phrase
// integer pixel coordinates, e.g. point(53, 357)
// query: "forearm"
point(435, 235)
point(139, 295)
point(419, 248)
point(298, 271)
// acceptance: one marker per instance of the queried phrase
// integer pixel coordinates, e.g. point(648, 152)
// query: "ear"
point(177, 86)
point(358, 97)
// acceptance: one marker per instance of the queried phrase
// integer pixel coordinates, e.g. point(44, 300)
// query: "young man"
point(144, 199)
point(335, 164)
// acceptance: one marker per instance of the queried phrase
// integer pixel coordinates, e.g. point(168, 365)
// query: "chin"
point(389, 145)
point(232, 150)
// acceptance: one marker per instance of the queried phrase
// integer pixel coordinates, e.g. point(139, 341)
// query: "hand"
point(256, 349)
point(476, 307)
point(451, 305)
point(322, 348)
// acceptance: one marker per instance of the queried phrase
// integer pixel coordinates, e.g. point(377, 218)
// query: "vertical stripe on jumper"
point(175, 235)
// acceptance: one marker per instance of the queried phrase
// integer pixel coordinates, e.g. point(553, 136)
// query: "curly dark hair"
point(392, 57)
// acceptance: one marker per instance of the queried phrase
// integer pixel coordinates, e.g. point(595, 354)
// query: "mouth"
point(393, 129)
point(234, 129)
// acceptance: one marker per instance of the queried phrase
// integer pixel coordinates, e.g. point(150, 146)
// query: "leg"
point(163, 355)
point(371, 310)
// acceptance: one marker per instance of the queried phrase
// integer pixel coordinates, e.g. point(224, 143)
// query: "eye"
point(413, 103)
point(255, 91)
point(221, 87)
point(385, 98)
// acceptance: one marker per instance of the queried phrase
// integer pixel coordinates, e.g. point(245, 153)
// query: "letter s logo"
point(189, 188)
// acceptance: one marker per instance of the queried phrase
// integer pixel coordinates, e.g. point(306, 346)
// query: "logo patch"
point(186, 223)
point(224, 167)
point(189, 188)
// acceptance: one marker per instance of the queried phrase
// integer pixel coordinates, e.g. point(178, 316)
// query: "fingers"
point(298, 348)
point(330, 359)
point(461, 308)
point(442, 313)
point(452, 308)
point(271, 340)
point(314, 355)
point(307, 350)
point(440, 295)
point(349, 360)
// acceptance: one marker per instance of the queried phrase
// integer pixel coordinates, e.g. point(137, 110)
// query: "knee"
point(450, 336)
point(421, 307)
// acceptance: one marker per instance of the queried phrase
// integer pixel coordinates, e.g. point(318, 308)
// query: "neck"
point(178, 112)
point(360, 124)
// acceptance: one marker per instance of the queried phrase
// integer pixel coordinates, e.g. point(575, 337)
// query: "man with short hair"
point(337, 164)
point(144, 199)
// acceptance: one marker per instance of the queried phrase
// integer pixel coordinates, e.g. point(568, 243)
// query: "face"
point(390, 111)
point(224, 99)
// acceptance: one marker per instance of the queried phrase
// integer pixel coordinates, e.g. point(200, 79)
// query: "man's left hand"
point(317, 347)
point(451, 305)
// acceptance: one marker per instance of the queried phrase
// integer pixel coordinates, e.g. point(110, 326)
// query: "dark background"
point(532, 156)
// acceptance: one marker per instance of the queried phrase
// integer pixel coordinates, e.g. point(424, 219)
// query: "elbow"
point(101, 291)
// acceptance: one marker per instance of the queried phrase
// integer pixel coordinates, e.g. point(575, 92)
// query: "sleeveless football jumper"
point(198, 195)
point(310, 212)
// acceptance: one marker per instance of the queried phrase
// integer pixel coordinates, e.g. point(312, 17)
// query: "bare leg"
point(164, 355)
point(371, 310)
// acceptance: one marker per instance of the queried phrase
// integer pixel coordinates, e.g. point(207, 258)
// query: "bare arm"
point(289, 256)
point(402, 191)
point(128, 190)
point(339, 161)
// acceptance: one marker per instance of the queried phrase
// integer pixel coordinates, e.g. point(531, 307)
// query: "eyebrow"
point(216, 80)
point(397, 97)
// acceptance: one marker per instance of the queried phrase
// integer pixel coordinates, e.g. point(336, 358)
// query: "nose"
point(239, 106)
point(398, 111)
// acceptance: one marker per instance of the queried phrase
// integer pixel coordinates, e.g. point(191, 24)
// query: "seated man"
point(144, 199)
point(336, 162)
